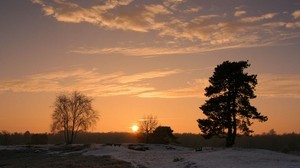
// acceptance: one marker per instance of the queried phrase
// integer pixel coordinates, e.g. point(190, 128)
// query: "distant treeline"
point(287, 143)
point(27, 138)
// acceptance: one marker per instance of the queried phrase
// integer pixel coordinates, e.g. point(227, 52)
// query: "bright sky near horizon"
point(140, 57)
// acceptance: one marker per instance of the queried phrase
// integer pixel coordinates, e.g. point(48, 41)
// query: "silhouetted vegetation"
point(73, 112)
point(146, 127)
point(228, 108)
point(163, 135)
point(287, 143)
point(7, 138)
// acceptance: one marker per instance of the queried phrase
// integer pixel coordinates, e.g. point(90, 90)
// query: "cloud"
point(239, 13)
point(167, 51)
point(139, 19)
point(147, 75)
point(89, 81)
point(175, 20)
point(131, 51)
point(293, 24)
point(258, 18)
point(279, 86)
point(173, 4)
point(269, 86)
point(192, 10)
point(296, 14)
point(156, 9)
point(275, 24)
point(194, 89)
point(54, 81)
point(139, 84)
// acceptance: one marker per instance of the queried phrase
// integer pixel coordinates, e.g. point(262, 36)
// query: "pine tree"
point(228, 108)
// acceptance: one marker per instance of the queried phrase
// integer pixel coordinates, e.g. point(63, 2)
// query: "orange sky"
point(137, 58)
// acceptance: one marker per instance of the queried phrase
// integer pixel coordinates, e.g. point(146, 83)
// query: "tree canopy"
point(163, 135)
point(228, 108)
point(146, 127)
point(73, 112)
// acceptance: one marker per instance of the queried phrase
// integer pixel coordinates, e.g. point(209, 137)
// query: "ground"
point(37, 158)
point(141, 156)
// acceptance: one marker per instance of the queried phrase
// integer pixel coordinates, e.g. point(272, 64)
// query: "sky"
point(142, 57)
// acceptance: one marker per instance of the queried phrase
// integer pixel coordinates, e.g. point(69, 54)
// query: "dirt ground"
point(32, 158)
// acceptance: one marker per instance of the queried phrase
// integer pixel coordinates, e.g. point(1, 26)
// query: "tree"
point(39, 139)
point(228, 108)
point(73, 112)
point(146, 127)
point(163, 135)
point(27, 137)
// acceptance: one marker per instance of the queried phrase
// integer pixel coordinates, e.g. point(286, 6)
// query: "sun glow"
point(134, 128)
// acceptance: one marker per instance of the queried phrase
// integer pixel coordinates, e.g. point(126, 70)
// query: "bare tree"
point(146, 127)
point(73, 112)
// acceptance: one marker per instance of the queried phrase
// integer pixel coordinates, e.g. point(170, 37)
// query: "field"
point(18, 157)
point(140, 156)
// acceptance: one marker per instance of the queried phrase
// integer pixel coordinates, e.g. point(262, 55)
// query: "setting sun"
point(134, 128)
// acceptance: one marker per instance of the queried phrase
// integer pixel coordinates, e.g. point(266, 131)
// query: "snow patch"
point(166, 156)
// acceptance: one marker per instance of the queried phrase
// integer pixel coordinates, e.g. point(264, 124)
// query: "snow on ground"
point(165, 156)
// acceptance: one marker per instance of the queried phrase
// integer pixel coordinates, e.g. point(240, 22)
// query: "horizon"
point(138, 58)
point(268, 132)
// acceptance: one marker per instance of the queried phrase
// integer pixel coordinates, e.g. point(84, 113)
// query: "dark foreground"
point(31, 158)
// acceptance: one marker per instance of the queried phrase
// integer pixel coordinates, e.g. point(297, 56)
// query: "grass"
point(37, 159)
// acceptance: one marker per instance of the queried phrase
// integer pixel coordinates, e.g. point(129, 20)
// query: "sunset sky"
point(141, 57)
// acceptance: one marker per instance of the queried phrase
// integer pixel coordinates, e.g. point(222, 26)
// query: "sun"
point(134, 128)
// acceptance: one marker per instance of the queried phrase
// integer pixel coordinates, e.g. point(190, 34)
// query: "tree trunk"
point(147, 137)
point(229, 138)
point(234, 128)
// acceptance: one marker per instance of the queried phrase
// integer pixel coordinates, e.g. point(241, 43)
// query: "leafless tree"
point(73, 112)
point(146, 127)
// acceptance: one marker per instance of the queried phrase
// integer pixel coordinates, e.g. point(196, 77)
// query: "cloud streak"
point(258, 18)
point(194, 89)
point(296, 14)
point(279, 86)
point(239, 13)
point(89, 81)
point(140, 84)
point(177, 50)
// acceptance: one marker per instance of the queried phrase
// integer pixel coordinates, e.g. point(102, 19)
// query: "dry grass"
point(30, 158)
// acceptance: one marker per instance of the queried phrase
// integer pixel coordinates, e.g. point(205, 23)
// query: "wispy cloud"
point(143, 51)
point(296, 14)
point(140, 85)
point(239, 13)
point(167, 50)
point(293, 24)
point(270, 86)
point(194, 89)
point(138, 19)
point(175, 20)
point(258, 18)
point(147, 75)
point(152, 51)
point(192, 10)
point(89, 81)
point(173, 4)
point(284, 85)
